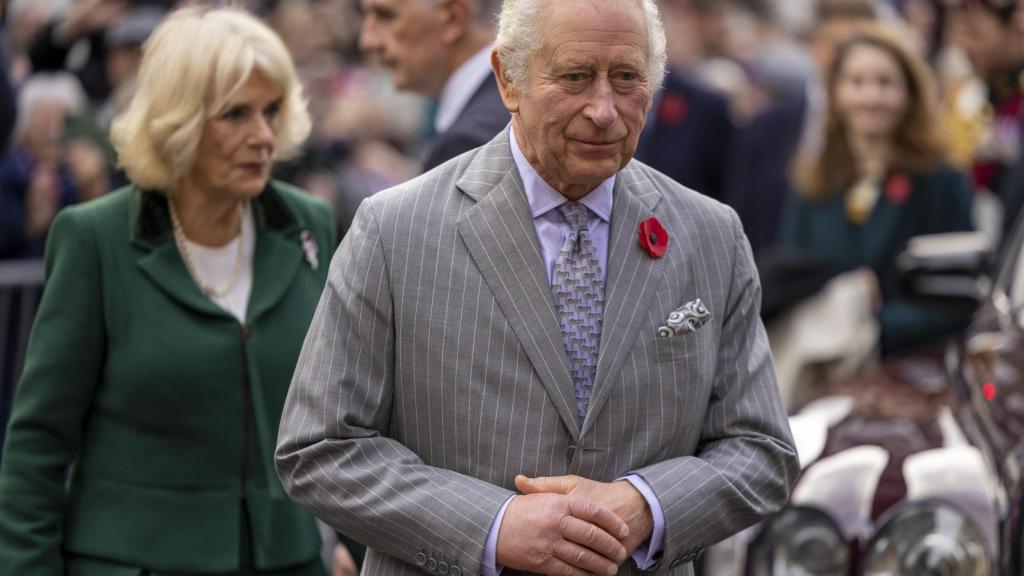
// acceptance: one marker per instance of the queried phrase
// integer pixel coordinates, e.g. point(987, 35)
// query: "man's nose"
point(369, 37)
point(601, 108)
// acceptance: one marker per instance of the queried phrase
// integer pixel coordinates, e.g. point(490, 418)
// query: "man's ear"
point(455, 20)
point(509, 93)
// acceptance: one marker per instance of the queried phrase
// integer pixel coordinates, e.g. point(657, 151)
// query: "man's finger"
point(584, 559)
point(596, 514)
point(555, 567)
point(593, 537)
point(553, 484)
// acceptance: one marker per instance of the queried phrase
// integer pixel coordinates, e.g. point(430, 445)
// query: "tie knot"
point(575, 214)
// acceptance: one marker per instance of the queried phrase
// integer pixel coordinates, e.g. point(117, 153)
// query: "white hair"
point(61, 88)
point(519, 39)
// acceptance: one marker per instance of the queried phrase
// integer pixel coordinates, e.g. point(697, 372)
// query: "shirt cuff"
point(490, 563)
point(649, 552)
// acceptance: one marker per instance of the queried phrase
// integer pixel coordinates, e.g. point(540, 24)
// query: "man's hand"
point(88, 16)
point(561, 536)
point(619, 497)
point(343, 564)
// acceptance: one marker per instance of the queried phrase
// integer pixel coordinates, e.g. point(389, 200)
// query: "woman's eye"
point(234, 113)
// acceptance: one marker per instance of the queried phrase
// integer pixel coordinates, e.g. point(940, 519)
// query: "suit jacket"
point(162, 405)
point(688, 136)
point(482, 118)
point(758, 174)
point(434, 372)
point(937, 201)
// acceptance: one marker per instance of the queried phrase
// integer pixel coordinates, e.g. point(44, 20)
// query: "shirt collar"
point(542, 198)
point(461, 86)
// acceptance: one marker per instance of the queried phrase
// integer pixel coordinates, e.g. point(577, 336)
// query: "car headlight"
point(927, 539)
point(800, 541)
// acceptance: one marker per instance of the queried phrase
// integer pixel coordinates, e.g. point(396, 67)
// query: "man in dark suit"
point(688, 135)
point(441, 50)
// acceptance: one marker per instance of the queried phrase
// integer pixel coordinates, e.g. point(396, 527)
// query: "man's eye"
point(575, 77)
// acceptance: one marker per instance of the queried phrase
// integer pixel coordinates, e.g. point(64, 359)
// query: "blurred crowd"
point(760, 110)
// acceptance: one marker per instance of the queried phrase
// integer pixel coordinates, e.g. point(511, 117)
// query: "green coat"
point(162, 406)
point(939, 201)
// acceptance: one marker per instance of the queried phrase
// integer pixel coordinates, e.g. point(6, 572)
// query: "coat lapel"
point(161, 262)
point(631, 282)
point(883, 225)
point(276, 261)
point(502, 241)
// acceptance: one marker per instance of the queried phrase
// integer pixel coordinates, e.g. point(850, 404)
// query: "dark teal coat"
point(939, 201)
point(146, 415)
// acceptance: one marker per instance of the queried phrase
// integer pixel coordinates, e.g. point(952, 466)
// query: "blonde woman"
point(143, 427)
point(881, 178)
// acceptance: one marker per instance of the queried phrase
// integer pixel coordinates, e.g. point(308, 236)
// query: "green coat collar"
point(278, 255)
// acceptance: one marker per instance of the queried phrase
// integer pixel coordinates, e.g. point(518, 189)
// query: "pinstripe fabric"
point(434, 371)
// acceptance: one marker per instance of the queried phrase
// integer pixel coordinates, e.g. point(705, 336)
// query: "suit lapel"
point(631, 282)
point(164, 266)
point(276, 260)
point(161, 262)
point(881, 229)
point(502, 241)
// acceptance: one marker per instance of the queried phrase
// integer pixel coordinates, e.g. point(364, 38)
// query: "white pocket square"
point(687, 318)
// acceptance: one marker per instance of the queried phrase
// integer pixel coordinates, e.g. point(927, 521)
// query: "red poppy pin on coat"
point(653, 238)
point(897, 188)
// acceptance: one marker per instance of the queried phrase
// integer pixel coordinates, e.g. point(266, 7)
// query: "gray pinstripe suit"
point(434, 372)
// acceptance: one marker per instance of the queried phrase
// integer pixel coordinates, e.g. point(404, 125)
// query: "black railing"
point(21, 284)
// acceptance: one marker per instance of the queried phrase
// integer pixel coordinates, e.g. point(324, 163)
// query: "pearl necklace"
point(190, 264)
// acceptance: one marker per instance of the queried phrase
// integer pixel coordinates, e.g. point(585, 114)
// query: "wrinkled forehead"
point(572, 28)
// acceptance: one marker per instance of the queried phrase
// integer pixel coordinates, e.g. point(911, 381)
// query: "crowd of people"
point(835, 130)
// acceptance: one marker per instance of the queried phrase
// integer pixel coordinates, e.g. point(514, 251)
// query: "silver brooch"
point(310, 248)
point(685, 319)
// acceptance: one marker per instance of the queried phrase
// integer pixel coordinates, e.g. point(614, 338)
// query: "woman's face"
point(233, 160)
point(871, 92)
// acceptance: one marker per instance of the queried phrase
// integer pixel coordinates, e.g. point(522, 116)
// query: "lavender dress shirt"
point(551, 233)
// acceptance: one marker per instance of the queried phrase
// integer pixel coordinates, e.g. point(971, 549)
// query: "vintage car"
point(913, 469)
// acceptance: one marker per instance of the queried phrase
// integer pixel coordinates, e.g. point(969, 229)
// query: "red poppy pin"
point(653, 238)
point(673, 108)
point(897, 188)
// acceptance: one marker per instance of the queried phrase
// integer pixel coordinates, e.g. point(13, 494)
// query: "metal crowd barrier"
point(21, 284)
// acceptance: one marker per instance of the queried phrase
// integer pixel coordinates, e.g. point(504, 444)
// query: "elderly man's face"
point(587, 93)
point(405, 37)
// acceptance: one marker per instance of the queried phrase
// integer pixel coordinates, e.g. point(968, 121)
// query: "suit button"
point(442, 568)
point(570, 453)
point(431, 564)
point(421, 558)
point(456, 571)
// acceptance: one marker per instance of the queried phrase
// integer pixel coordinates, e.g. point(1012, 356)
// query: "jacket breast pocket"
point(676, 348)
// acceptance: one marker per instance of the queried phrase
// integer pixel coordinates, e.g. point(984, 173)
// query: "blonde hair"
point(918, 143)
point(192, 65)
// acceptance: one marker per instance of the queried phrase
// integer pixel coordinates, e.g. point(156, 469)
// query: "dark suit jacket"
point(939, 201)
point(482, 118)
point(146, 415)
point(8, 97)
point(758, 174)
point(688, 135)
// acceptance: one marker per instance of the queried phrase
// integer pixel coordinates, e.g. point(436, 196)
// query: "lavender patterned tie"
point(579, 301)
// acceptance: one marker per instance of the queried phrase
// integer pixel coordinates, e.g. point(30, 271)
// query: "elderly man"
point(542, 316)
point(440, 49)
